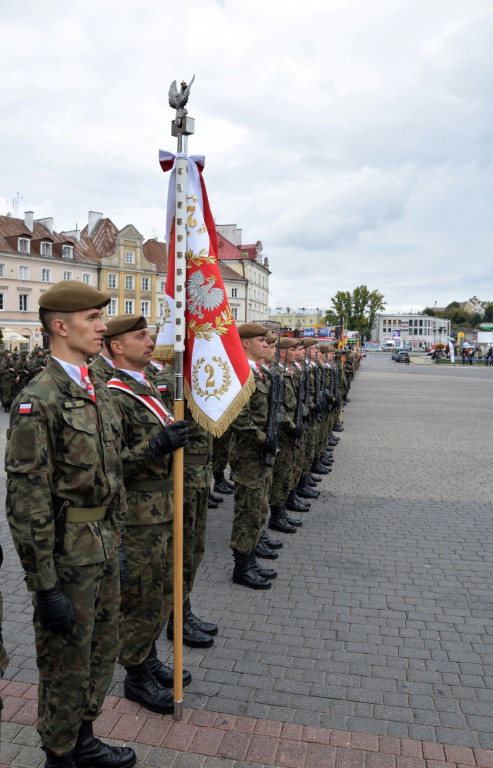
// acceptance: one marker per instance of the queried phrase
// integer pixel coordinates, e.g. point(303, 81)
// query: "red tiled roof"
point(155, 252)
point(11, 228)
point(102, 239)
point(226, 250)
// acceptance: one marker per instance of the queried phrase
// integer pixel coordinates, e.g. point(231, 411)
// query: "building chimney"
point(47, 223)
point(73, 233)
point(29, 220)
point(93, 220)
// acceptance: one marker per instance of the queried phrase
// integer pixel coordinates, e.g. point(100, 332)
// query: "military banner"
point(217, 377)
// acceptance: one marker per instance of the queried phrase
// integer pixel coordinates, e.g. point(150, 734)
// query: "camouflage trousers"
point(283, 471)
point(310, 439)
point(75, 671)
point(220, 447)
point(147, 599)
point(250, 513)
point(194, 526)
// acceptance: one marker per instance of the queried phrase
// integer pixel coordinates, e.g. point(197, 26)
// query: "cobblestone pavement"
point(374, 648)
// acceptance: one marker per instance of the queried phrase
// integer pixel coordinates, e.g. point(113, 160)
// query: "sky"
point(353, 138)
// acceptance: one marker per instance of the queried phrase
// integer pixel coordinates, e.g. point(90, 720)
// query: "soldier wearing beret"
point(65, 504)
point(252, 476)
point(150, 436)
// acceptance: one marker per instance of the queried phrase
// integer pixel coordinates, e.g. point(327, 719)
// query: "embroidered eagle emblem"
point(201, 294)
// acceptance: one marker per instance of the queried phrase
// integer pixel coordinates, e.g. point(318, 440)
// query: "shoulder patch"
point(70, 404)
point(25, 408)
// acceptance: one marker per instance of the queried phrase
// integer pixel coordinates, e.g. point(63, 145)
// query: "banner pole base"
point(178, 710)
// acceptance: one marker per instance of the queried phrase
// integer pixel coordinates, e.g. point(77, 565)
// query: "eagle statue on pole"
point(178, 99)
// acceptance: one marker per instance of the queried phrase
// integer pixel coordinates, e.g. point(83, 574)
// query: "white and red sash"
point(150, 402)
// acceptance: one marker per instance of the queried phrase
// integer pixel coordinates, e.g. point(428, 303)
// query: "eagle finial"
point(177, 100)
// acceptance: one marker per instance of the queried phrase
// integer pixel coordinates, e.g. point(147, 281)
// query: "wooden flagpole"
point(181, 127)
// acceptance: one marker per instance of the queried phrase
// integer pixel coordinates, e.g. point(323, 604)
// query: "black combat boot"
point(52, 761)
point(338, 427)
point(304, 502)
point(272, 543)
point(318, 467)
point(215, 498)
point(211, 504)
point(192, 636)
point(266, 573)
point(161, 672)
point(90, 752)
point(277, 521)
point(291, 520)
point(221, 485)
point(243, 572)
point(294, 504)
point(304, 490)
point(141, 686)
point(204, 626)
point(264, 551)
point(313, 480)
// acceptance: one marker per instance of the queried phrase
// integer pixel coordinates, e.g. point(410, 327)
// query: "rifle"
point(324, 384)
point(298, 417)
point(272, 426)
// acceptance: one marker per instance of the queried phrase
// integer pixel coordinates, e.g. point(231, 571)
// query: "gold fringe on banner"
point(219, 427)
point(165, 353)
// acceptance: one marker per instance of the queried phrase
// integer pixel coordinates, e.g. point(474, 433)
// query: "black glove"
point(269, 445)
point(123, 563)
point(56, 612)
point(298, 430)
point(169, 439)
point(317, 409)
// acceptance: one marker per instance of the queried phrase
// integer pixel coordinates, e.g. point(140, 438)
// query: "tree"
point(358, 310)
point(488, 312)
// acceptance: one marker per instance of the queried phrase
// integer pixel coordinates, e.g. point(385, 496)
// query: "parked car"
point(402, 356)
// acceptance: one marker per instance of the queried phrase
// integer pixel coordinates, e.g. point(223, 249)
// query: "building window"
point(46, 275)
point(129, 257)
point(23, 245)
point(234, 293)
point(129, 282)
point(112, 280)
point(23, 302)
point(234, 312)
point(67, 275)
point(67, 251)
point(162, 286)
point(112, 308)
point(86, 278)
point(45, 249)
point(23, 273)
point(2, 268)
point(2, 301)
point(145, 308)
point(145, 284)
point(129, 306)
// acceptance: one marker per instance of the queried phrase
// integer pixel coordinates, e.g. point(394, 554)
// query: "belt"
point(85, 514)
point(162, 484)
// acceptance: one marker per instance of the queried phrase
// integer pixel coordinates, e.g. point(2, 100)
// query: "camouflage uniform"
point(67, 447)
point(22, 373)
point(4, 659)
point(220, 448)
point(196, 481)
point(251, 475)
point(102, 369)
point(147, 599)
point(285, 456)
point(7, 373)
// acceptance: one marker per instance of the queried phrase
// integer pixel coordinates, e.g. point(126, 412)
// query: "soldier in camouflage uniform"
point(4, 659)
point(21, 372)
point(196, 480)
point(37, 363)
point(65, 505)
point(149, 437)
point(220, 451)
point(284, 466)
point(252, 476)
point(102, 365)
point(8, 376)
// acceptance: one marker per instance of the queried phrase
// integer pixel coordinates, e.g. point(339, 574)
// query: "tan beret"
point(323, 348)
point(286, 342)
point(271, 337)
point(124, 324)
point(250, 330)
point(72, 296)
point(332, 348)
point(309, 341)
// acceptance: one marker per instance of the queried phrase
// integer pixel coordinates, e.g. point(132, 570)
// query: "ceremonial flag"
point(218, 380)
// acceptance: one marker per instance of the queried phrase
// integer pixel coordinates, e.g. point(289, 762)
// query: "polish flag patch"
point(25, 407)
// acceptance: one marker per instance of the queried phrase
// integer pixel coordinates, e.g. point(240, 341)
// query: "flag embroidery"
point(25, 408)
